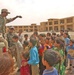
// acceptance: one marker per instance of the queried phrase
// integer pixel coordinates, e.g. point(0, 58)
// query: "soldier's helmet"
point(5, 11)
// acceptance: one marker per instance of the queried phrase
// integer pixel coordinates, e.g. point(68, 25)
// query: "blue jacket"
point(70, 47)
point(34, 57)
point(48, 72)
point(67, 41)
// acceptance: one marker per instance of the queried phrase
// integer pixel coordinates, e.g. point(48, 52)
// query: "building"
point(58, 24)
point(27, 28)
point(51, 24)
point(43, 26)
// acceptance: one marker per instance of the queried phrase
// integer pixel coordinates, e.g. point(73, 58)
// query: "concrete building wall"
point(51, 24)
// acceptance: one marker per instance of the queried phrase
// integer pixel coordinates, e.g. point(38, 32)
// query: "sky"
point(36, 11)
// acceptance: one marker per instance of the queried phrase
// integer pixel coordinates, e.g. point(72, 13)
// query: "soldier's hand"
point(19, 16)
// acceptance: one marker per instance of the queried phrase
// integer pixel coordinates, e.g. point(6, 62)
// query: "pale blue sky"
point(36, 11)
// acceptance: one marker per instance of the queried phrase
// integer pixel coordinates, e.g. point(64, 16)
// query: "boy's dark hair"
point(25, 43)
point(60, 42)
point(25, 55)
point(58, 35)
point(15, 37)
point(66, 33)
point(49, 34)
point(43, 35)
point(47, 38)
point(6, 62)
point(72, 40)
point(52, 57)
point(53, 33)
point(25, 35)
point(35, 33)
point(33, 41)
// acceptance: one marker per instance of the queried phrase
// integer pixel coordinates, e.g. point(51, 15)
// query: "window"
point(56, 28)
point(35, 26)
point(46, 23)
point(61, 21)
point(46, 28)
point(15, 26)
point(24, 27)
point(69, 20)
point(31, 26)
point(50, 23)
point(20, 26)
point(27, 30)
point(62, 27)
point(70, 27)
point(55, 22)
point(31, 30)
point(50, 28)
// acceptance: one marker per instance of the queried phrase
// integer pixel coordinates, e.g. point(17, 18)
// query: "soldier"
point(3, 21)
point(18, 50)
point(9, 36)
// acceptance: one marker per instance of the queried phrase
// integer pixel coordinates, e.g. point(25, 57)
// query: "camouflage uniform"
point(18, 50)
point(9, 37)
point(11, 44)
point(3, 21)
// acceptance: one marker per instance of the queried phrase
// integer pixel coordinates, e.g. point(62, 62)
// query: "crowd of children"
point(46, 54)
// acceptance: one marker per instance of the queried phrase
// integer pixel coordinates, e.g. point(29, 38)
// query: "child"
point(70, 58)
point(25, 69)
point(18, 50)
point(49, 60)
point(26, 46)
point(6, 64)
point(48, 35)
point(34, 57)
point(67, 41)
point(26, 38)
point(20, 36)
point(48, 44)
point(59, 47)
point(41, 50)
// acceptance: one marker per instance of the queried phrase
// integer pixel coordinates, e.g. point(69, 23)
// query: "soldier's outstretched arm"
point(12, 19)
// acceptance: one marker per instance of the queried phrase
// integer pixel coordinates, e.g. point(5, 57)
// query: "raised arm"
point(12, 19)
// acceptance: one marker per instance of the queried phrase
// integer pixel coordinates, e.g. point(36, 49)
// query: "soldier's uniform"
point(2, 30)
point(19, 50)
point(11, 44)
point(3, 21)
point(9, 37)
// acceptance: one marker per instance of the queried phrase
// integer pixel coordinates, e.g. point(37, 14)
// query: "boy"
point(26, 46)
point(6, 64)
point(70, 57)
point(49, 60)
point(26, 38)
point(34, 57)
point(18, 50)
